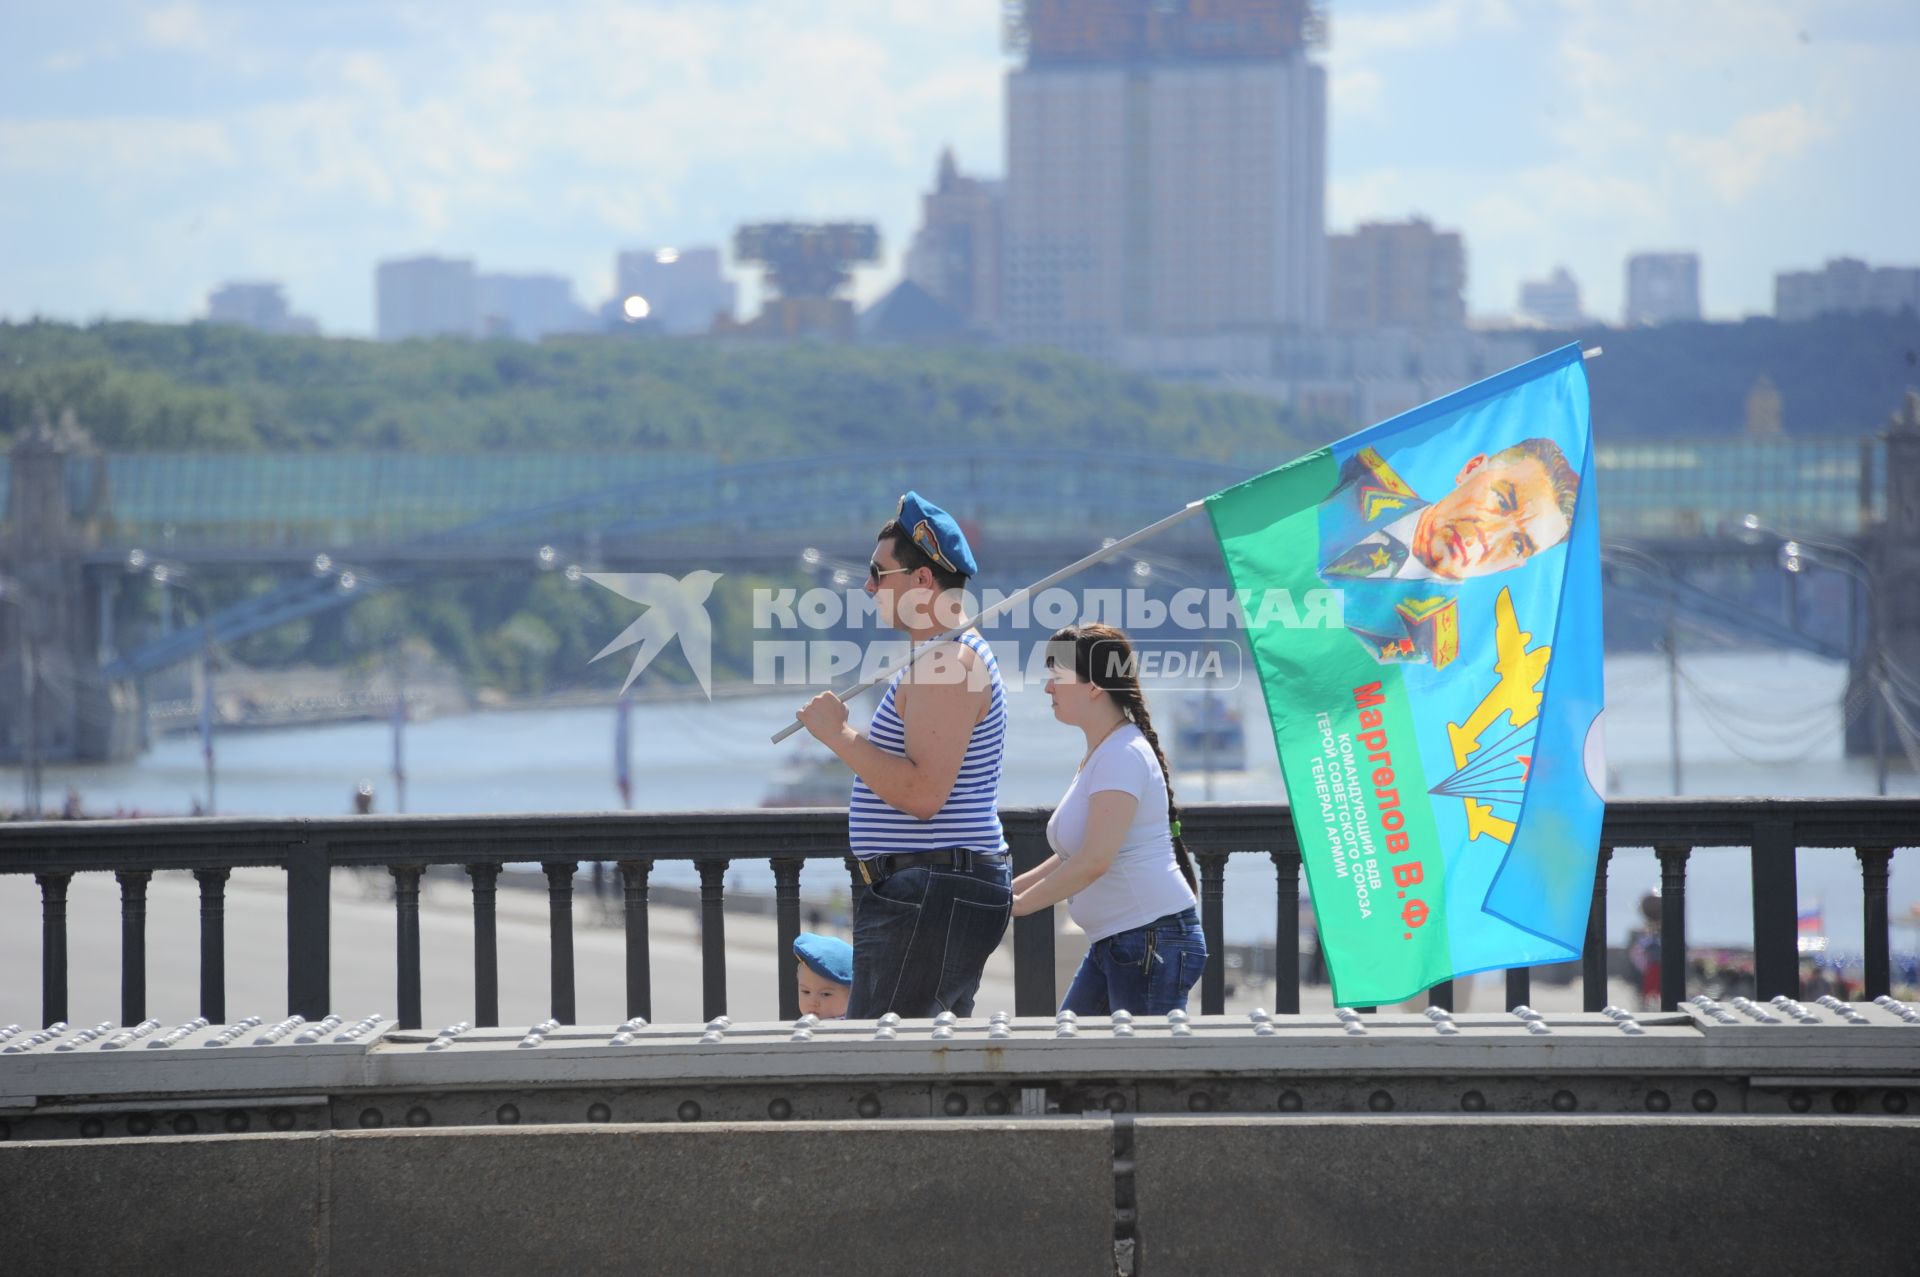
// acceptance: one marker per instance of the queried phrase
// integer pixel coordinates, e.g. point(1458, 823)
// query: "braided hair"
point(1104, 657)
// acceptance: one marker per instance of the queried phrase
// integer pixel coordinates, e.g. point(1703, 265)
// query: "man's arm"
point(939, 717)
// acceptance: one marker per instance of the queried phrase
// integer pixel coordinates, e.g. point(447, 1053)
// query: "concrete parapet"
point(164, 1204)
point(1241, 1193)
point(1447, 1195)
point(981, 1196)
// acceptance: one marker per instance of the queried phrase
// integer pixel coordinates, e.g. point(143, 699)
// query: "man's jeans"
point(922, 937)
point(1147, 970)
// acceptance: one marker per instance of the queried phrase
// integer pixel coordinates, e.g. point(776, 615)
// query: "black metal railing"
point(308, 850)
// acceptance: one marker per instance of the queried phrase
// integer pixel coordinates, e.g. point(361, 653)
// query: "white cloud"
point(1356, 35)
point(1759, 147)
point(177, 26)
point(1357, 92)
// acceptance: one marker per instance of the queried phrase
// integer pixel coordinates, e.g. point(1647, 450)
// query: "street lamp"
point(1626, 556)
point(1797, 555)
point(170, 577)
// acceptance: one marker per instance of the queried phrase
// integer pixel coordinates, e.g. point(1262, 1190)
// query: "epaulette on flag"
point(1434, 626)
point(1381, 490)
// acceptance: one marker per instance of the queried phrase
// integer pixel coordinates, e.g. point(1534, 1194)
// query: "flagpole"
point(1104, 553)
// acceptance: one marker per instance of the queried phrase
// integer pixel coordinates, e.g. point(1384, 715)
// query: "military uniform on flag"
point(1392, 604)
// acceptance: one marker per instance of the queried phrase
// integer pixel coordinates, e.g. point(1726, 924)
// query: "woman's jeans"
point(1147, 970)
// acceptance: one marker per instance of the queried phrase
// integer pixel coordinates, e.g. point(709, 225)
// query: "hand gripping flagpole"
point(1079, 565)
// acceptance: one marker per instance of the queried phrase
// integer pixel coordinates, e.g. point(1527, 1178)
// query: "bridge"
point(339, 527)
point(1347, 1141)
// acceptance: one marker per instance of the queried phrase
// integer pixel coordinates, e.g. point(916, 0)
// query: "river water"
point(1751, 723)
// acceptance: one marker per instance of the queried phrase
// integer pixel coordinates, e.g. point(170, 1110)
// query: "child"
point(824, 975)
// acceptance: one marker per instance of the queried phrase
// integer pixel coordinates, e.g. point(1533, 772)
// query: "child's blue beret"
point(828, 957)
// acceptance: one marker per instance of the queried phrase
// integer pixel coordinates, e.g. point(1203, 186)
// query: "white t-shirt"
point(1143, 882)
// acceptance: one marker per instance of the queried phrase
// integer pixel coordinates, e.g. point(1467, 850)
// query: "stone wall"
point(1361, 1194)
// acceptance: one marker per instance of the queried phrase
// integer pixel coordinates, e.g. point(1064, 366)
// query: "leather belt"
point(877, 869)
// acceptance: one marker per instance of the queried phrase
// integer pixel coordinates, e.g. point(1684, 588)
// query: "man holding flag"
point(1444, 771)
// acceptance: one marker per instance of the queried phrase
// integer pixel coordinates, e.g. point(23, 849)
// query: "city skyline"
point(153, 155)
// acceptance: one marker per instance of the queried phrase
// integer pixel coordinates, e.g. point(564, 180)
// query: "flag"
point(1811, 921)
point(1423, 607)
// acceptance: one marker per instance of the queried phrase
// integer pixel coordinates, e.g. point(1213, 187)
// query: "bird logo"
point(673, 606)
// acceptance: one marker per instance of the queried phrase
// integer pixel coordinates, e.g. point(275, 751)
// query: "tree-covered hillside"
point(155, 387)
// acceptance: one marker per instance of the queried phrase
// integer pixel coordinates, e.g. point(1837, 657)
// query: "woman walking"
point(1117, 858)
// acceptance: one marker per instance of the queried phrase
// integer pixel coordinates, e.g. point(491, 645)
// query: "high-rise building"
point(955, 255)
point(1165, 171)
point(426, 297)
point(681, 290)
point(1846, 284)
point(1396, 275)
point(260, 306)
point(1553, 301)
point(529, 307)
point(1663, 288)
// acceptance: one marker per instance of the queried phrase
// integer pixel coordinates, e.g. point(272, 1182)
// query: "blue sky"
point(149, 152)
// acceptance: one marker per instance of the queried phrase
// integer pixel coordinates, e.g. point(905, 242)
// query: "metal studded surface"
point(1782, 1057)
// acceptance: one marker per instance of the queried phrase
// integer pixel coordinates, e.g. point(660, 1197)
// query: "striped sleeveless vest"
point(970, 816)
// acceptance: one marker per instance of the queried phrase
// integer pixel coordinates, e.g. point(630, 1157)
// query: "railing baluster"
point(633, 877)
point(1673, 924)
point(486, 944)
point(53, 946)
point(133, 943)
point(560, 932)
point(1286, 933)
point(213, 943)
point(1035, 990)
point(1776, 911)
point(1593, 958)
point(1520, 987)
point(1441, 995)
point(786, 906)
point(406, 912)
point(309, 961)
point(713, 938)
point(1213, 879)
point(1875, 863)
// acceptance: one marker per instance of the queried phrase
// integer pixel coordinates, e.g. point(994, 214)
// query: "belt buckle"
point(866, 872)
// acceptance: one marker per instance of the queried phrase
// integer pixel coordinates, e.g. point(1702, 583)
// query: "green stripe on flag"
point(1356, 787)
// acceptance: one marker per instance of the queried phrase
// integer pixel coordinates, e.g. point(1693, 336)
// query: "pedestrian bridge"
point(342, 1139)
point(391, 507)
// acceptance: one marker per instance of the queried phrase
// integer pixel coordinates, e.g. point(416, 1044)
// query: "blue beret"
point(937, 533)
point(828, 957)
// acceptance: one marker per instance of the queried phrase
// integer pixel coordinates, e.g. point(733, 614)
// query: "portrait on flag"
point(1396, 556)
point(1440, 744)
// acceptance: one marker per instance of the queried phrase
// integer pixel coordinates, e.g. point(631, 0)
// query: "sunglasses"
point(875, 572)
